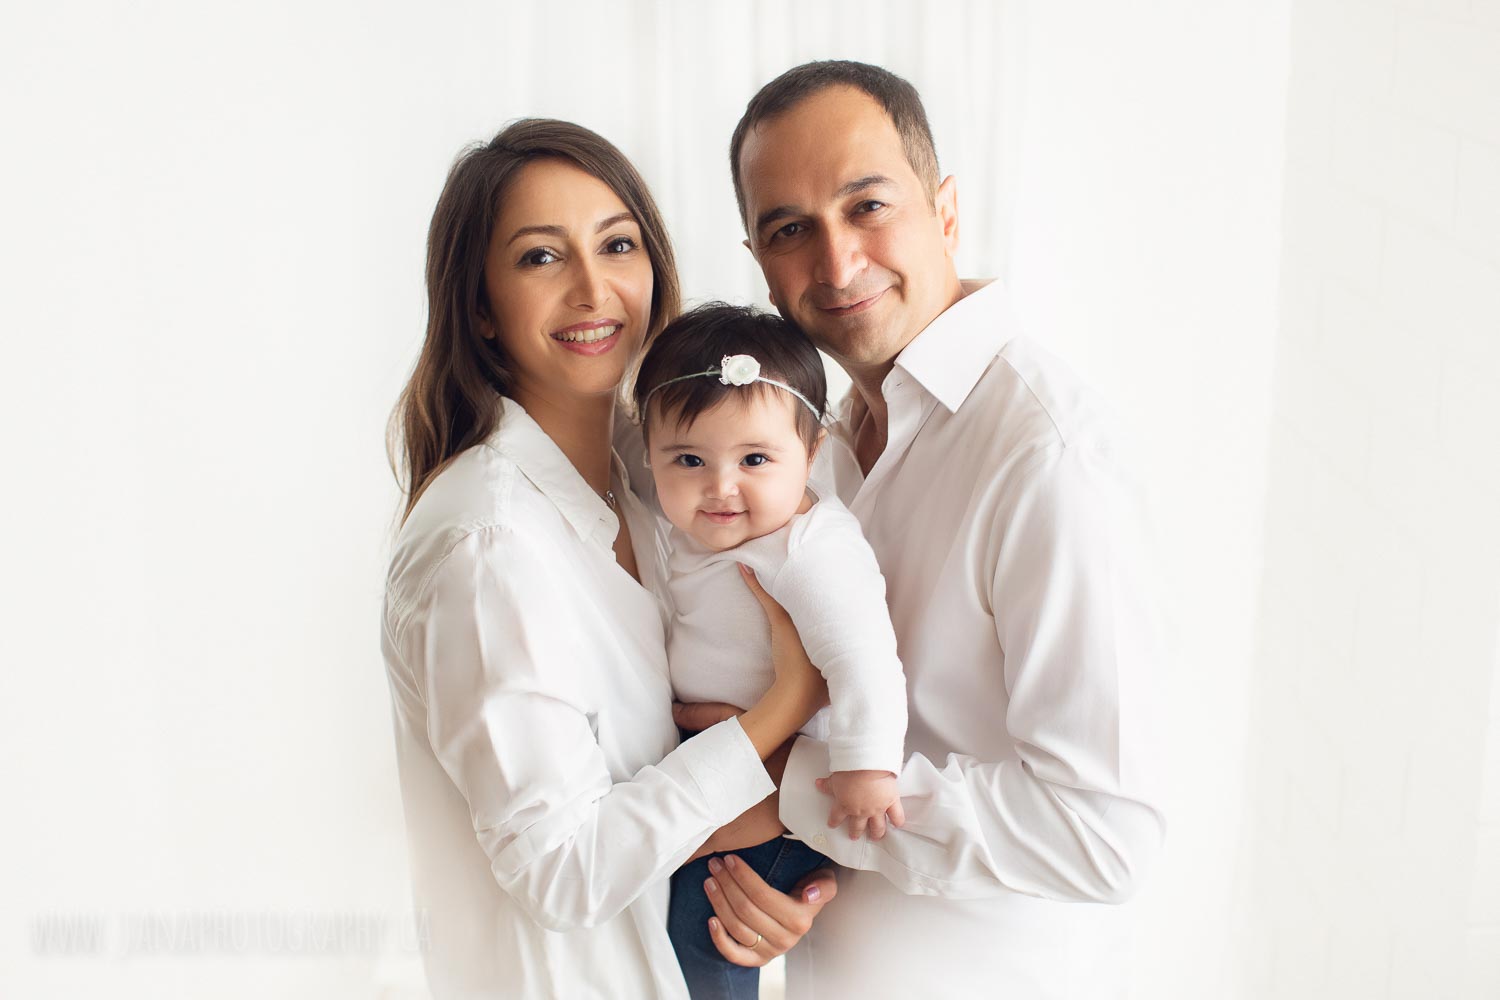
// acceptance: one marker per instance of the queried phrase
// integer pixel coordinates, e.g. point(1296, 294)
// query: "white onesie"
point(820, 568)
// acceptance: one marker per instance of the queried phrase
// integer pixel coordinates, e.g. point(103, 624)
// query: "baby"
point(731, 402)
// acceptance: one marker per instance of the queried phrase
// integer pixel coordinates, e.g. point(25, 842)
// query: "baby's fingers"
point(877, 826)
point(836, 815)
point(856, 826)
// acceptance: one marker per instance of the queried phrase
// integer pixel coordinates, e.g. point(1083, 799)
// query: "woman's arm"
point(513, 721)
point(510, 721)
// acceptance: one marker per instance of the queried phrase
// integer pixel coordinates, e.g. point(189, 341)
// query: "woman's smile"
point(592, 338)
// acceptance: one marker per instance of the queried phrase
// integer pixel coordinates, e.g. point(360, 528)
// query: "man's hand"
point(863, 800)
point(755, 922)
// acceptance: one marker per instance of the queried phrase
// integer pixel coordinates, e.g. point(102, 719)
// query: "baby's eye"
point(689, 461)
point(756, 460)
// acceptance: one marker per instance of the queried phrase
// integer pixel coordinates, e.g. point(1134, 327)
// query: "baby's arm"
point(836, 595)
point(864, 799)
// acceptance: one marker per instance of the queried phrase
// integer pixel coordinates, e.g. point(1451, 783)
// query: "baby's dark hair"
point(695, 342)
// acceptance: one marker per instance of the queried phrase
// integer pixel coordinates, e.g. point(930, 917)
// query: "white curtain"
point(668, 80)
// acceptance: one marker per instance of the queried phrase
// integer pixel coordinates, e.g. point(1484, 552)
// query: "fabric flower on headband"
point(738, 369)
point(735, 369)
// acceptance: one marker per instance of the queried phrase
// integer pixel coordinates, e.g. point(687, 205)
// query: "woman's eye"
point(756, 460)
point(620, 244)
point(538, 257)
point(689, 461)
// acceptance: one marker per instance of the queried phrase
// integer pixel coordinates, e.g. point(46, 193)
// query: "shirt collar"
point(948, 357)
point(519, 438)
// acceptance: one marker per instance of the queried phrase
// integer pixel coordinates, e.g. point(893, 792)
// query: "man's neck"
point(871, 415)
point(583, 429)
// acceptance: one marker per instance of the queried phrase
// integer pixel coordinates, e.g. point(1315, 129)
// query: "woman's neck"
point(582, 428)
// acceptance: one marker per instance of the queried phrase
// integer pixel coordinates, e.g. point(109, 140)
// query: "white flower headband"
point(734, 369)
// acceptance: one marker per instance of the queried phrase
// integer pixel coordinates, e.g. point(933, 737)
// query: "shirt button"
point(819, 840)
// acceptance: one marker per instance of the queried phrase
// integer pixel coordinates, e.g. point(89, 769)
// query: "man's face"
point(852, 248)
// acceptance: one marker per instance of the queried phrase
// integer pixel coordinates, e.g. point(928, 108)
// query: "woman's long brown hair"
point(449, 404)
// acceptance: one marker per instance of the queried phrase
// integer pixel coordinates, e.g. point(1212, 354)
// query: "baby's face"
point(737, 472)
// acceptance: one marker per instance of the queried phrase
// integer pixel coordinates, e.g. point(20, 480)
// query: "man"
point(986, 484)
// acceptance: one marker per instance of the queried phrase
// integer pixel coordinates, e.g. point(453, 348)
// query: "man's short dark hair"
point(899, 99)
point(696, 341)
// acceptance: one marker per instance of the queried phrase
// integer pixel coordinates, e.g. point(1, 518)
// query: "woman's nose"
point(588, 292)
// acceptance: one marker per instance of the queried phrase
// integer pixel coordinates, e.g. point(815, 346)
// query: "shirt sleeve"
point(512, 729)
point(1073, 817)
point(831, 586)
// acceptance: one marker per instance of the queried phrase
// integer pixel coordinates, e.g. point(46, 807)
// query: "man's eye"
point(756, 459)
point(788, 230)
point(620, 244)
point(538, 257)
point(871, 206)
point(689, 461)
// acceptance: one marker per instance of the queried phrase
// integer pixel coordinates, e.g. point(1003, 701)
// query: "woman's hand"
point(798, 690)
point(793, 668)
point(754, 922)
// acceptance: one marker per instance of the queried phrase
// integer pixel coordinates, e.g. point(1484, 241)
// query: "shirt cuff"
point(728, 772)
point(804, 809)
point(853, 755)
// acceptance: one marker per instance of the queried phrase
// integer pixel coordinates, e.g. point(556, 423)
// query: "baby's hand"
point(863, 799)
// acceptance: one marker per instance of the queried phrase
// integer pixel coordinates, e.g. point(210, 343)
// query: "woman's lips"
point(589, 338)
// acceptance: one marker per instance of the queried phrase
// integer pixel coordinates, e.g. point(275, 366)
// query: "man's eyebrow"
point(561, 233)
point(774, 215)
point(853, 187)
point(867, 181)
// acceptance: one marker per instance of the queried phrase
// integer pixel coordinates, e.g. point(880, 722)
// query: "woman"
point(545, 802)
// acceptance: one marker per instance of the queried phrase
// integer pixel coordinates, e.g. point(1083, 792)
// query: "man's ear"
point(946, 205)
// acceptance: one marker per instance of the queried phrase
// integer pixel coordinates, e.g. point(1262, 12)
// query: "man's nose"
point(840, 256)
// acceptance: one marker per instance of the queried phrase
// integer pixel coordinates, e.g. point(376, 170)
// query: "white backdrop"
point(213, 223)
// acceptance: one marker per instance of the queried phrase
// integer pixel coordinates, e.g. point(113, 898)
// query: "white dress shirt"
point(818, 567)
point(545, 803)
point(1009, 540)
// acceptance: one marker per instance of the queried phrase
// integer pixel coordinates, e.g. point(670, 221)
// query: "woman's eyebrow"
point(614, 220)
point(557, 231)
point(562, 233)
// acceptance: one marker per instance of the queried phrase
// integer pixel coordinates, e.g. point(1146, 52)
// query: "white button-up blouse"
point(546, 798)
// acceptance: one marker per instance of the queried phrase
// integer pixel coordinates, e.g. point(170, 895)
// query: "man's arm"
point(1075, 815)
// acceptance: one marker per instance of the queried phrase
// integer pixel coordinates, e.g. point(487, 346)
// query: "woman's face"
point(569, 284)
